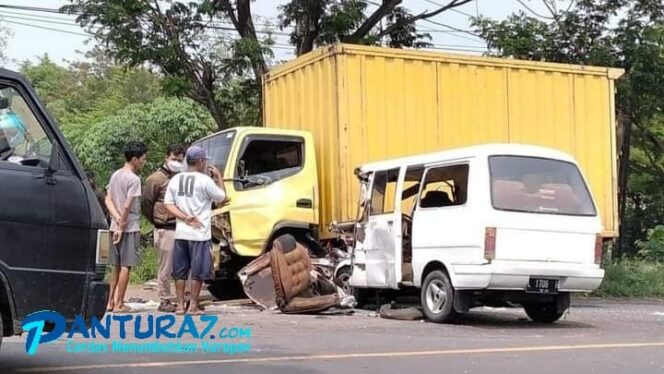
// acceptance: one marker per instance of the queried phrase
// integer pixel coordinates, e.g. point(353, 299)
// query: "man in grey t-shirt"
point(123, 202)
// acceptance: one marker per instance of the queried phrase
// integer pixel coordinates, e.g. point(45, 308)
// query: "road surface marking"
point(255, 360)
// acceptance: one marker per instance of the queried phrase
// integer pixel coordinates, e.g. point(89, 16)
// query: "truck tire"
point(226, 289)
point(543, 312)
point(437, 297)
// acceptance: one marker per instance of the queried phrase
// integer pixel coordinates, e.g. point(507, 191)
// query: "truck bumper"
point(514, 275)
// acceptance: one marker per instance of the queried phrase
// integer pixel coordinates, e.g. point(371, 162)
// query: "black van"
point(53, 234)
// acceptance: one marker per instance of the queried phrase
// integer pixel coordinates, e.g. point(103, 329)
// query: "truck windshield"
point(538, 185)
point(218, 147)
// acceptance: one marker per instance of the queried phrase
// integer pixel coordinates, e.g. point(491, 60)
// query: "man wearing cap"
point(189, 197)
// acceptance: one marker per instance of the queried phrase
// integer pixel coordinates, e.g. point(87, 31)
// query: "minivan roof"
point(482, 151)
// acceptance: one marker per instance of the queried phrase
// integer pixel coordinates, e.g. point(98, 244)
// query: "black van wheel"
point(543, 312)
point(437, 297)
point(2, 331)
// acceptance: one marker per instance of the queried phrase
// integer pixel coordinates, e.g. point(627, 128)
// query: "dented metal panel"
point(365, 104)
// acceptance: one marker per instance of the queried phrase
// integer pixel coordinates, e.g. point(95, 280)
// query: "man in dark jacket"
point(153, 208)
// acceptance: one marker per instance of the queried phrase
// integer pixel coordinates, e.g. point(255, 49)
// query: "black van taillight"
point(599, 246)
point(490, 243)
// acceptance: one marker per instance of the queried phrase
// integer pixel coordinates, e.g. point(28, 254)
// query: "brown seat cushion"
point(291, 271)
point(311, 304)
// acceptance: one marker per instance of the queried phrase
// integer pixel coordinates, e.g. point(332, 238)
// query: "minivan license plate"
point(542, 285)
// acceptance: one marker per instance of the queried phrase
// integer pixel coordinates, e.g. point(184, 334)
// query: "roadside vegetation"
point(641, 275)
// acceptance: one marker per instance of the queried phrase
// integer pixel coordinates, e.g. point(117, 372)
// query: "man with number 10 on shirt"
point(189, 197)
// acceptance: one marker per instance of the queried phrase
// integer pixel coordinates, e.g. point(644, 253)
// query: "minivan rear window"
point(539, 185)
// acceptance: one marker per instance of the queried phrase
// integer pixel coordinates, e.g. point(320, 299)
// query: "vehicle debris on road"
point(288, 279)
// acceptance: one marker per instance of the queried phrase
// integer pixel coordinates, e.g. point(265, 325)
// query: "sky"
point(38, 33)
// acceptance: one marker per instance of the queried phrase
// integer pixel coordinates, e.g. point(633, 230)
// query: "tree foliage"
point(101, 105)
point(159, 123)
point(205, 64)
point(175, 37)
point(617, 33)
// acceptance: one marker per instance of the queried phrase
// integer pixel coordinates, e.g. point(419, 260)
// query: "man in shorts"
point(189, 198)
point(123, 202)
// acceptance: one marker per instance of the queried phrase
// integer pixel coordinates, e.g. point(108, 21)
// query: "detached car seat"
point(291, 273)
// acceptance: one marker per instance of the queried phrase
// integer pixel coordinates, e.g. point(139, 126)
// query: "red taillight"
point(490, 243)
point(599, 245)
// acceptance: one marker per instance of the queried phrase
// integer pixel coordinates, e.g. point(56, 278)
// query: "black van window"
point(23, 141)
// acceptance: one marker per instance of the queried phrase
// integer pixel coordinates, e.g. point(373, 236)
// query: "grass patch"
point(632, 278)
point(146, 268)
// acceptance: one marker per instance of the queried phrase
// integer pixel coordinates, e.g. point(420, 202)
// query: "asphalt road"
point(595, 337)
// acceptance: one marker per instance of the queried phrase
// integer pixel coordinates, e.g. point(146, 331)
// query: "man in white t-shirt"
point(189, 197)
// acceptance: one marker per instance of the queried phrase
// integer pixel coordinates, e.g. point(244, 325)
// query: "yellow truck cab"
point(271, 178)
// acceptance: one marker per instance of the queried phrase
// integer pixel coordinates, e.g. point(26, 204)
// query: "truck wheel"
point(543, 312)
point(437, 297)
point(2, 331)
point(226, 289)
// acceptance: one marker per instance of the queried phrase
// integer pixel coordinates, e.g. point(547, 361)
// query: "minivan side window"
point(445, 186)
point(383, 192)
point(23, 141)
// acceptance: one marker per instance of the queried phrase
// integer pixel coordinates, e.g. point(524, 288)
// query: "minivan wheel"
point(543, 312)
point(437, 297)
point(342, 280)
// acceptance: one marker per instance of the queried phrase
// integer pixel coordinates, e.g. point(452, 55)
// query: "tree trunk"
point(625, 141)
point(216, 113)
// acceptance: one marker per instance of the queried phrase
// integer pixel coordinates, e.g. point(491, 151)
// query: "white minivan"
point(494, 225)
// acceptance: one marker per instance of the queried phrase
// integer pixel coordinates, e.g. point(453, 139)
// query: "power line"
point(31, 14)
point(51, 20)
point(48, 28)
point(453, 28)
point(35, 19)
point(452, 9)
point(32, 8)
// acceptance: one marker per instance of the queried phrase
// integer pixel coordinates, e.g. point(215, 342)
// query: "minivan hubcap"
point(436, 296)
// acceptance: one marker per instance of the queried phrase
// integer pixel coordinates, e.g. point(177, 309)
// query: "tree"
point(178, 37)
point(159, 123)
point(618, 33)
point(5, 34)
point(89, 90)
point(321, 22)
point(173, 36)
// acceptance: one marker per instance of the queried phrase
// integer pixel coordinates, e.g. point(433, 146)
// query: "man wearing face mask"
point(153, 208)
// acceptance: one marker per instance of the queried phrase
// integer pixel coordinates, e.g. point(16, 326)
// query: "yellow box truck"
point(331, 110)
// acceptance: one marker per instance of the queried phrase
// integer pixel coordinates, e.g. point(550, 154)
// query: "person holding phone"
point(189, 197)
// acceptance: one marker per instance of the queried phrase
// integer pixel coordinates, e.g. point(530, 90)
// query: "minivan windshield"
point(538, 185)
